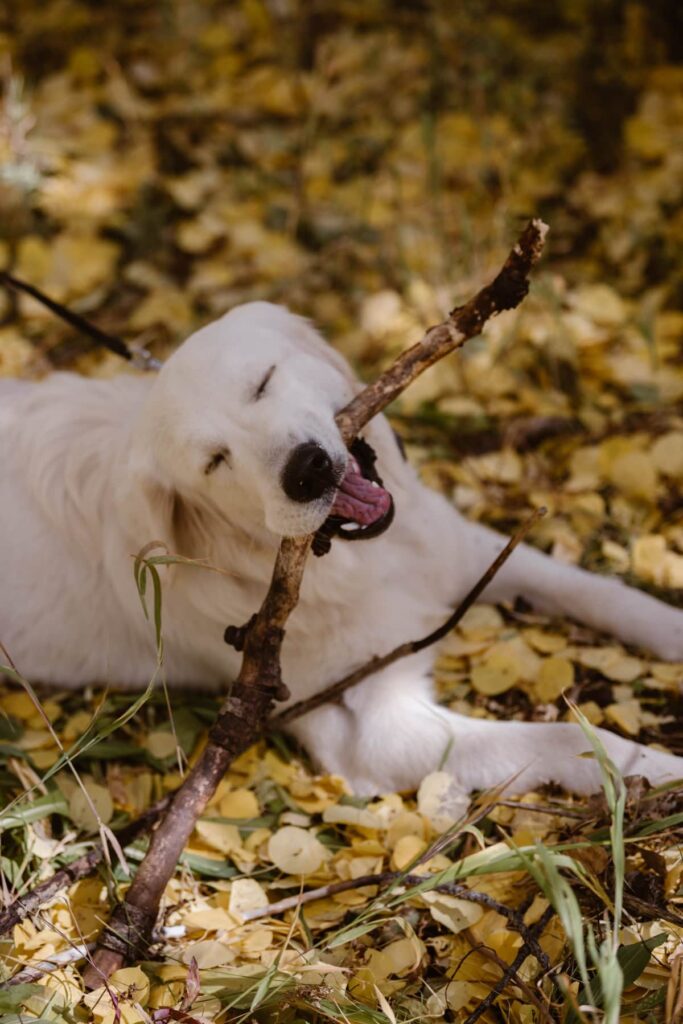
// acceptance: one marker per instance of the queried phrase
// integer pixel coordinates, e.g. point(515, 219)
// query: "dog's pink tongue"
point(360, 500)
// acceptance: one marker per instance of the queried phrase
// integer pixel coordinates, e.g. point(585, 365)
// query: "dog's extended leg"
point(485, 753)
point(390, 734)
point(598, 601)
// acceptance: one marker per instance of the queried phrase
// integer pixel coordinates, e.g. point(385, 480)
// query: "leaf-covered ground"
point(368, 163)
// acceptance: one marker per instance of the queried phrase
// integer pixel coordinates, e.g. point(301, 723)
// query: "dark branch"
point(514, 917)
point(514, 967)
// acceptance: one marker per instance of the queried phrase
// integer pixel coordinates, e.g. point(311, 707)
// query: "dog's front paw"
point(648, 623)
point(665, 637)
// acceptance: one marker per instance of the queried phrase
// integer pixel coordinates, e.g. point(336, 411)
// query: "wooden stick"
point(239, 724)
point(244, 715)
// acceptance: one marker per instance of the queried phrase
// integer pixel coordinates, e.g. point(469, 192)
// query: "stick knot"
point(128, 931)
point(236, 636)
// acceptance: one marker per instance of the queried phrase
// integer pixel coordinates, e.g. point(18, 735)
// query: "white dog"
point(230, 447)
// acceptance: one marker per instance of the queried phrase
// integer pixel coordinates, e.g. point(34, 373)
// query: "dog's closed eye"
point(223, 455)
point(261, 389)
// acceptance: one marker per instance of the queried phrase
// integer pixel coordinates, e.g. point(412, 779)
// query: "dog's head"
point(241, 420)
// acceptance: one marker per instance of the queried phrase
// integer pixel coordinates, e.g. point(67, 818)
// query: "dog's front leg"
point(525, 755)
point(390, 733)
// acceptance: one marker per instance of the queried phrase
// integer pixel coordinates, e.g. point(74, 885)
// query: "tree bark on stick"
point(244, 714)
point(239, 724)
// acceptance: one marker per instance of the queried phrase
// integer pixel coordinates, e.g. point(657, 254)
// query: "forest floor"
point(368, 164)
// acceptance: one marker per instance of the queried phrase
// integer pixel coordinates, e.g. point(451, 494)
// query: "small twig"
point(334, 692)
point(363, 881)
point(513, 916)
point(558, 812)
point(507, 969)
point(23, 906)
point(55, 963)
point(511, 970)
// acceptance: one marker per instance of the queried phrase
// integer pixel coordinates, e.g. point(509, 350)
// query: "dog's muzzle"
point(361, 507)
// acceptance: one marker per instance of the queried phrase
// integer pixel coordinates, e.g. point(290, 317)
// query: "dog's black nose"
point(308, 473)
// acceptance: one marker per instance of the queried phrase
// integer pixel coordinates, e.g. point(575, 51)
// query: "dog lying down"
point(231, 446)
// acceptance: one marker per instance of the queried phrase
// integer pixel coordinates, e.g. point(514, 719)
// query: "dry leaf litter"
point(367, 164)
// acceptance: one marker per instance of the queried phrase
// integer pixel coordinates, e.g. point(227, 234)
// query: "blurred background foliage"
point(319, 151)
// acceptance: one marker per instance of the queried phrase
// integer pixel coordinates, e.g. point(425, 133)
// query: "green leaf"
point(352, 933)
point(245, 825)
point(12, 998)
point(634, 959)
point(10, 728)
point(12, 872)
point(661, 825)
point(263, 987)
point(51, 803)
point(110, 750)
point(187, 728)
point(208, 867)
point(649, 1002)
point(9, 750)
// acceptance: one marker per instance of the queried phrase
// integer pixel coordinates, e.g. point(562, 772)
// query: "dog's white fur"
point(90, 471)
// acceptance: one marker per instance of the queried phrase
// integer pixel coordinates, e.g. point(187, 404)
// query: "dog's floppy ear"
point(158, 512)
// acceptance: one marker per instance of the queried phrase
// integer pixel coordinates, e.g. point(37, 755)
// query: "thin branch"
point(506, 291)
point(35, 971)
point(514, 917)
point(511, 971)
point(244, 715)
point(379, 880)
point(375, 664)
